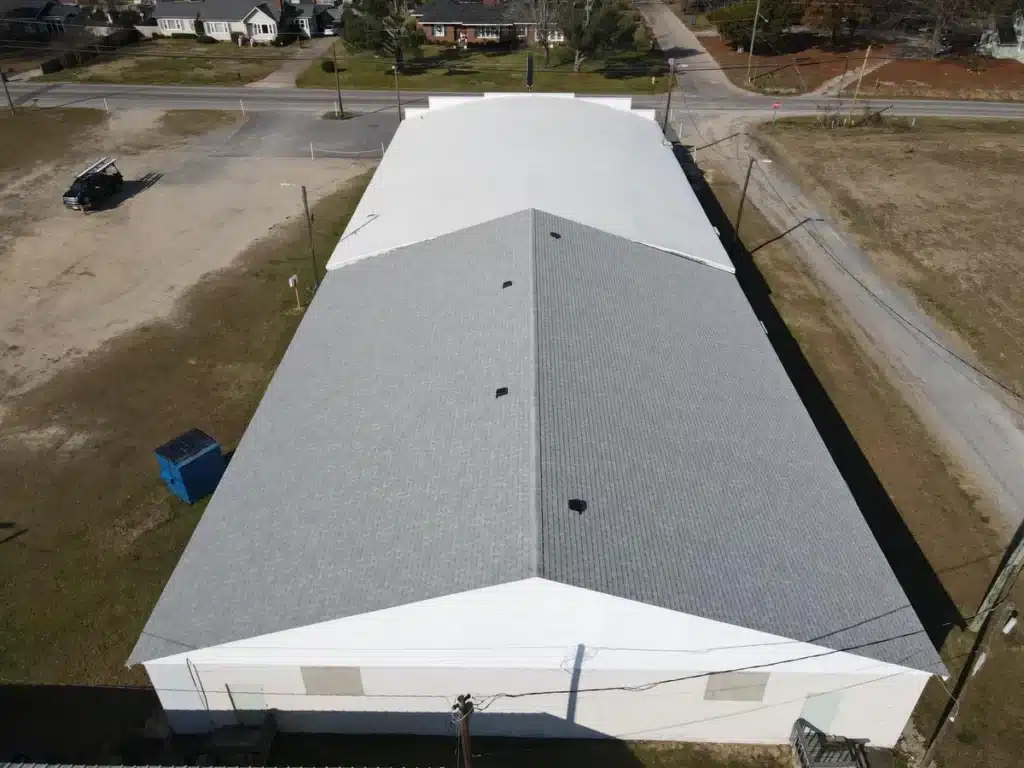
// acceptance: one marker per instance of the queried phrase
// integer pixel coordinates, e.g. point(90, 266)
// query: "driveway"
point(680, 43)
point(295, 65)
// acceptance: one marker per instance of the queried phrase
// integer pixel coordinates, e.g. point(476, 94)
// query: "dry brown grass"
point(943, 512)
point(937, 208)
point(88, 533)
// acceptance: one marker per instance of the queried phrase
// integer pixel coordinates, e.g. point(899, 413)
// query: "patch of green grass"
point(179, 62)
point(188, 123)
point(91, 534)
point(477, 70)
point(33, 136)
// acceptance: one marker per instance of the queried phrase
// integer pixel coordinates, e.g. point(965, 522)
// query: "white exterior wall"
point(418, 700)
point(410, 662)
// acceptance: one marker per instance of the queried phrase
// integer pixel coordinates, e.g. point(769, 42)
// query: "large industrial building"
point(531, 442)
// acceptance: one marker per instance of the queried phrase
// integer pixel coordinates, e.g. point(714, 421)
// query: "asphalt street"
point(319, 101)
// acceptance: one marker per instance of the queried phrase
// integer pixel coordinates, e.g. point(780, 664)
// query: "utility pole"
point(10, 101)
point(668, 103)
point(309, 230)
point(1000, 584)
point(464, 708)
point(743, 196)
point(337, 79)
point(856, 91)
point(972, 664)
point(398, 94)
point(753, 34)
point(842, 80)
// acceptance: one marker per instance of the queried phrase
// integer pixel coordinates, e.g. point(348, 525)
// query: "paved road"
point(981, 425)
point(697, 93)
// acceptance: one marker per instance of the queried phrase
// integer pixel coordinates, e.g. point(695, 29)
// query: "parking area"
point(70, 281)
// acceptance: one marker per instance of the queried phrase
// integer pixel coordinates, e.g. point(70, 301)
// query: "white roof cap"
point(478, 159)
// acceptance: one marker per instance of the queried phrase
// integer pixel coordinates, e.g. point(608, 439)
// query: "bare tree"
point(546, 15)
point(588, 11)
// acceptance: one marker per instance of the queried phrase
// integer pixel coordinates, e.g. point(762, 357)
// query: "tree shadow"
point(794, 43)
point(936, 610)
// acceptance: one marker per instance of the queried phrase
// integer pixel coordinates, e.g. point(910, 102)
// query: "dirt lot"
point(971, 77)
point(70, 281)
point(122, 328)
point(940, 527)
point(931, 205)
point(800, 65)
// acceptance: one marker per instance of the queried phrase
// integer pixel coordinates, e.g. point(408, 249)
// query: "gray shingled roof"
point(210, 10)
point(470, 13)
point(380, 469)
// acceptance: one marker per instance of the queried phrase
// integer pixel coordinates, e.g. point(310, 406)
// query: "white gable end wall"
point(402, 668)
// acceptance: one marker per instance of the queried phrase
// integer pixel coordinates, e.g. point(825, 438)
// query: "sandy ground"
point(71, 281)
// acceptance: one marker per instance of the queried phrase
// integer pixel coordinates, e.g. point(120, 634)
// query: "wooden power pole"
point(464, 708)
point(309, 231)
point(753, 35)
point(856, 91)
point(337, 79)
point(972, 665)
point(1000, 584)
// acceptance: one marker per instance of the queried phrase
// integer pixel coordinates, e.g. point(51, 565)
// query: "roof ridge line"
point(537, 516)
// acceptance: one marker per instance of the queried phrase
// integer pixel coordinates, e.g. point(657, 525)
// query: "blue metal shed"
point(191, 464)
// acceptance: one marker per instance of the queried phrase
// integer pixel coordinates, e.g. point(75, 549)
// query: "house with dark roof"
point(255, 22)
point(468, 22)
point(25, 19)
point(531, 442)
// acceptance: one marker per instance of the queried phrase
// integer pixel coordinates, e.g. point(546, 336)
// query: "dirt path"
point(678, 42)
point(71, 281)
point(981, 425)
point(285, 75)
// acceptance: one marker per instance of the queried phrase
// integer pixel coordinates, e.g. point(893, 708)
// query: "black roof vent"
point(507, 284)
point(578, 505)
point(556, 235)
point(501, 391)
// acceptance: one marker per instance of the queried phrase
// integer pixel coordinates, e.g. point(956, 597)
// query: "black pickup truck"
point(93, 185)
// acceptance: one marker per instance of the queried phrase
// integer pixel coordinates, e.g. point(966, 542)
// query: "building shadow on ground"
point(937, 611)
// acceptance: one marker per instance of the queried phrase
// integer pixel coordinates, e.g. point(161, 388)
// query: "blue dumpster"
point(191, 464)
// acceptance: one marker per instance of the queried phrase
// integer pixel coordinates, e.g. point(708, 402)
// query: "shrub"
point(157, 36)
point(183, 35)
point(51, 65)
point(236, 36)
point(206, 39)
point(327, 65)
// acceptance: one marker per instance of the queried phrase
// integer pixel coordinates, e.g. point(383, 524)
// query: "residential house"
point(531, 442)
point(1004, 39)
point(257, 22)
point(34, 19)
point(474, 23)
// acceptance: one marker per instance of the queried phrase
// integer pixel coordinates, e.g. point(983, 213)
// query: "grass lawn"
point(179, 62)
point(40, 134)
point(943, 243)
point(447, 69)
point(89, 534)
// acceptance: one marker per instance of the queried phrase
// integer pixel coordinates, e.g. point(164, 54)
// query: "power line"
point(433, 63)
point(1009, 389)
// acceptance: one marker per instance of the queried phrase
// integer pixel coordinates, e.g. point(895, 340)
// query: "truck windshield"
point(79, 187)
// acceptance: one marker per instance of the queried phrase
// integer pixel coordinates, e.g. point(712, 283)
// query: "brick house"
point(477, 22)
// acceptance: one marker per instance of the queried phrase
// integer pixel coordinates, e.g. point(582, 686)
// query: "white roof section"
point(468, 160)
point(538, 624)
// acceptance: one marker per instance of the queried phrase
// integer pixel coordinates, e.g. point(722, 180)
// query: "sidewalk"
point(295, 65)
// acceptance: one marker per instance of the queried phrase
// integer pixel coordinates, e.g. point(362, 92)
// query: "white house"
point(530, 442)
point(256, 21)
point(1005, 40)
